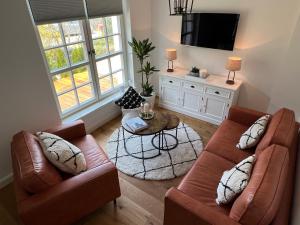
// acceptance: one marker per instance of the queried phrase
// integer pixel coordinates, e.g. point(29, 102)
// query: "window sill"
point(90, 109)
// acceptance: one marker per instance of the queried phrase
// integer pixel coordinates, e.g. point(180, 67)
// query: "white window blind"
point(100, 8)
point(49, 11)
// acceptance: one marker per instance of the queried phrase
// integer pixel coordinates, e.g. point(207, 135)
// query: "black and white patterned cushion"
point(234, 181)
point(62, 154)
point(253, 135)
point(130, 100)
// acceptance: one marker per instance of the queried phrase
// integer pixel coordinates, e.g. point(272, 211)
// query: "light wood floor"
point(141, 202)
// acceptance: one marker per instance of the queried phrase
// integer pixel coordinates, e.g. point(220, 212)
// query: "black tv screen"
point(209, 30)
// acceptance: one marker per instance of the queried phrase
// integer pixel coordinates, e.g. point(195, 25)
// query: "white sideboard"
point(207, 99)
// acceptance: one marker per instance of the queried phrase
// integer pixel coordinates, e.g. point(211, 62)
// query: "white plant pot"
point(150, 99)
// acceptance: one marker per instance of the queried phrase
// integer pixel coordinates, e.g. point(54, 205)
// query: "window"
point(85, 60)
point(107, 42)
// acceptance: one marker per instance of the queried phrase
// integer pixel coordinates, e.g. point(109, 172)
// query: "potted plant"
point(195, 72)
point(142, 50)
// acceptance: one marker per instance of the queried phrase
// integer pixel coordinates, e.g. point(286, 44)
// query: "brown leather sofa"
point(266, 199)
point(46, 196)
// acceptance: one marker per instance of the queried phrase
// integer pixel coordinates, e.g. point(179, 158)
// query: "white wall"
point(140, 11)
point(25, 92)
point(263, 36)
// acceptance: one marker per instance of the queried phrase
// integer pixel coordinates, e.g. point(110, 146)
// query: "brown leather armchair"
point(46, 195)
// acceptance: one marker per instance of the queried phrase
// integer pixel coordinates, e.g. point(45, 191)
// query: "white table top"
point(214, 80)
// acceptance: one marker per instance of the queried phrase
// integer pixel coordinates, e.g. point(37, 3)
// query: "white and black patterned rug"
point(168, 165)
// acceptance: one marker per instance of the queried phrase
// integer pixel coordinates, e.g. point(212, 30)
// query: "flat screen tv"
point(209, 30)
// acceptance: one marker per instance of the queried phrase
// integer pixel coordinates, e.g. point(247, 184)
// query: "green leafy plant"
point(142, 50)
point(148, 70)
point(195, 70)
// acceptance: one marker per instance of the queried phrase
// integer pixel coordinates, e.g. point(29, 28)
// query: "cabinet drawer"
point(218, 92)
point(171, 81)
point(193, 86)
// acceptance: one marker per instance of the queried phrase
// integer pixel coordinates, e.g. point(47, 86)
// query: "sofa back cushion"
point(260, 201)
point(34, 171)
point(280, 130)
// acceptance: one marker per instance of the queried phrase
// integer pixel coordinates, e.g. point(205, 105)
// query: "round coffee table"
point(155, 127)
point(173, 122)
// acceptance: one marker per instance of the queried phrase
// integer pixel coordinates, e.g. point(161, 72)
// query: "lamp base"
point(170, 70)
point(231, 82)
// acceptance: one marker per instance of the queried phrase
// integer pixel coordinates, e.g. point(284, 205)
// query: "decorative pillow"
point(130, 100)
point(62, 154)
point(253, 135)
point(234, 181)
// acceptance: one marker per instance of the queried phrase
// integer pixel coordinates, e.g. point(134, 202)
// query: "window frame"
point(108, 56)
point(90, 62)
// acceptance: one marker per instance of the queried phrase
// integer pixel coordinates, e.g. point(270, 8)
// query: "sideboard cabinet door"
point(191, 100)
point(215, 108)
point(170, 95)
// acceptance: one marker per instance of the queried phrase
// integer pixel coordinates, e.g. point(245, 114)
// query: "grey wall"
point(27, 102)
point(25, 92)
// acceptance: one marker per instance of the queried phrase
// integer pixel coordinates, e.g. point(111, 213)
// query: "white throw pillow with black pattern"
point(253, 135)
point(234, 181)
point(62, 154)
point(130, 100)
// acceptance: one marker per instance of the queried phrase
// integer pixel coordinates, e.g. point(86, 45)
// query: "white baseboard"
point(6, 180)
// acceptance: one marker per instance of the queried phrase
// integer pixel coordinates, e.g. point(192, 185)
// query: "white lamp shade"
point(171, 54)
point(234, 64)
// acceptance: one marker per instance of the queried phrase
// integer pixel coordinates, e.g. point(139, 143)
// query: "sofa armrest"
point(69, 131)
point(181, 209)
point(244, 116)
point(73, 198)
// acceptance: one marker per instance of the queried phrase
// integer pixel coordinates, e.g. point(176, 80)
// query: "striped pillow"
point(62, 154)
point(234, 181)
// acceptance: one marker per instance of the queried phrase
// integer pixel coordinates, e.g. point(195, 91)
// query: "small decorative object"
point(180, 7)
point(142, 50)
point(146, 111)
point(203, 73)
point(171, 55)
point(194, 72)
point(233, 64)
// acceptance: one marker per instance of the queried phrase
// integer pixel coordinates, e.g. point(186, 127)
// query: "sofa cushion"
point(130, 100)
point(252, 136)
point(234, 181)
point(34, 170)
point(260, 200)
point(280, 130)
point(94, 155)
point(202, 180)
point(62, 154)
point(223, 143)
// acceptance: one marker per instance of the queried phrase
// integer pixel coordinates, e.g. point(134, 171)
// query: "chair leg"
point(115, 202)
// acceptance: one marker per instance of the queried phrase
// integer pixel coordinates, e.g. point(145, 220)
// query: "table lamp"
point(233, 64)
point(171, 55)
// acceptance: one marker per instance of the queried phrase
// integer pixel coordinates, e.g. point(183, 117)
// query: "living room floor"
point(141, 203)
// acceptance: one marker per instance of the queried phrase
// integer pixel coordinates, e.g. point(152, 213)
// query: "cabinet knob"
point(192, 86)
point(216, 92)
point(170, 81)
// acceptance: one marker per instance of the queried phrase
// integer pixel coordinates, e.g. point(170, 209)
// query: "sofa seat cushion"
point(224, 141)
point(202, 180)
point(93, 153)
point(280, 130)
point(35, 172)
